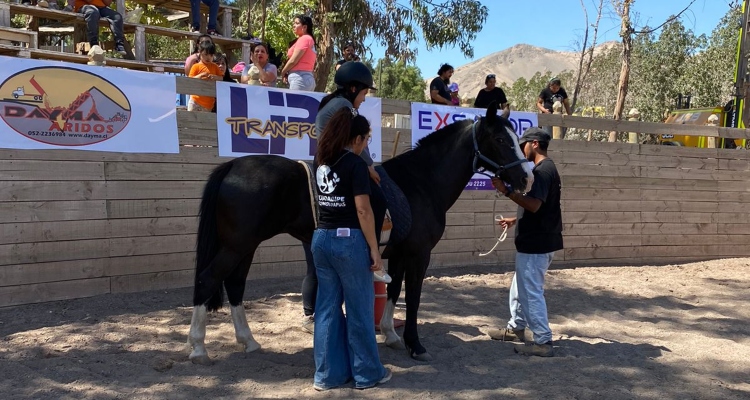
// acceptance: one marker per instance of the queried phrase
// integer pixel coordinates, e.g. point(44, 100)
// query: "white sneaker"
point(308, 324)
point(381, 276)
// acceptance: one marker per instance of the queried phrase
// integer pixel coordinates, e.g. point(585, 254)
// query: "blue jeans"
point(526, 299)
point(344, 346)
point(195, 13)
point(301, 80)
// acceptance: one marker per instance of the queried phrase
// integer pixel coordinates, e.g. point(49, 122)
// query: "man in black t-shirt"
point(547, 98)
point(350, 54)
point(492, 93)
point(439, 93)
point(538, 236)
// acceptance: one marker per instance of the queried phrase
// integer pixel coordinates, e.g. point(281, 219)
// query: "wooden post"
point(713, 120)
point(395, 144)
point(633, 115)
point(140, 43)
point(226, 23)
point(246, 52)
point(120, 4)
point(557, 130)
point(5, 14)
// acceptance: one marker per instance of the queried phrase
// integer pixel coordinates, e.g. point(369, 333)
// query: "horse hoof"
point(251, 346)
point(395, 344)
point(425, 357)
point(201, 359)
point(419, 357)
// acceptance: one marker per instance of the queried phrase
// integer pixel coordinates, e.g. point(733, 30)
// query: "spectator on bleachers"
point(260, 71)
point(350, 54)
point(194, 58)
point(93, 11)
point(213, 11)
point(221, 61)
point(208, 70)
point(298, 71)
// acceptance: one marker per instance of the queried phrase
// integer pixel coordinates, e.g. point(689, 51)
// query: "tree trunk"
point(324, 46)
point(587, 52)
point(627, 40)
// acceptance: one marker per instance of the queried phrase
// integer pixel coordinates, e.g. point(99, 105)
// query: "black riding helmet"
point(353, 73)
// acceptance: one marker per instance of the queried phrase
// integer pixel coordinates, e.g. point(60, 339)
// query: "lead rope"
point(497, 218)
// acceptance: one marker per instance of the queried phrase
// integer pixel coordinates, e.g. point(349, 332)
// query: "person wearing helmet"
point(353, 80)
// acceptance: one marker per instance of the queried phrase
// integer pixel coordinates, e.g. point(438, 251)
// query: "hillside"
point(521, 60)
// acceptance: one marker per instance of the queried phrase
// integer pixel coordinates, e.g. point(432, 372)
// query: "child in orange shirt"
point(204, 69)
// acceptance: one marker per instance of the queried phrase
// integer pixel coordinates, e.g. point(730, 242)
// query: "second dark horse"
point(252, 199)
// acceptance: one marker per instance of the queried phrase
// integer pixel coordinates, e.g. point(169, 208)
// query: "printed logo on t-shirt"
point(557, 97)
point(326, 180)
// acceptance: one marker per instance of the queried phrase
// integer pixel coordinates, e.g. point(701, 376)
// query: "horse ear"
point(492, 112)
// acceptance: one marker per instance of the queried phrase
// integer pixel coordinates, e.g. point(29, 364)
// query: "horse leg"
point(197, 336)
point(396, 270)
point(207, 284)
point(415, 267)
point(235, 286)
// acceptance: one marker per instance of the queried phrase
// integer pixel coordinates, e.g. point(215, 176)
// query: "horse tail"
point(207, 245)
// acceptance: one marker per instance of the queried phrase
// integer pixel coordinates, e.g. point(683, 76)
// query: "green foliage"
point(397, 80)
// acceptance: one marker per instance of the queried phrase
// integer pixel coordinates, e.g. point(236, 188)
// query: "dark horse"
point(252, 199)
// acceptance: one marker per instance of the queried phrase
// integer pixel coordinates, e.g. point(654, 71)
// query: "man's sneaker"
point(533, 349)
point(385, 379)
point(308, 324)
point(213, 32)
point(120, 49)
point(381, 276)
point(507, 335)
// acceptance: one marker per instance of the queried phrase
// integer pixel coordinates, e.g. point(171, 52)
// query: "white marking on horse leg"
point(197, 336)
point(242, 329)
point(392, 339)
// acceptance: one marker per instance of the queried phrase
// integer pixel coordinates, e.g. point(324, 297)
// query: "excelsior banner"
point(427, 118)
point(255, 120)
point(45, 105)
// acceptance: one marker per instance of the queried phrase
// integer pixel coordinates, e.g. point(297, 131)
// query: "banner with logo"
point(427, 118)
point(254, 120)
point(49, 105)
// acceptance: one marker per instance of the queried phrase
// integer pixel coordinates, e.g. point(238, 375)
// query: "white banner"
point(49, 105)
point(262, 120)
point(427, 118)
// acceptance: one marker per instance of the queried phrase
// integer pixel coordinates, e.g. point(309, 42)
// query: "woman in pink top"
point(298, 71)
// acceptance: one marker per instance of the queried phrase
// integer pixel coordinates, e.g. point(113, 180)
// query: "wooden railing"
point(80, 223)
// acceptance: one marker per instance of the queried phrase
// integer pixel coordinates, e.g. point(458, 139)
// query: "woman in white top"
point(260, 72)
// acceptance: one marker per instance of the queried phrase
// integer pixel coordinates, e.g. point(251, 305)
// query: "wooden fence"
point(79, 223)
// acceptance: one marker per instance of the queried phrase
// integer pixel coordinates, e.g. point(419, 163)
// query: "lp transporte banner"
point(427, 118)
point(49, 105)
point(254, 120)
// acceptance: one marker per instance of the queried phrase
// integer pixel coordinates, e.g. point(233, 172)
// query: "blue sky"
point(558, 24)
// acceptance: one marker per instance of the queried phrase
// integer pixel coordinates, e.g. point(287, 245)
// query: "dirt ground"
point(674, 332)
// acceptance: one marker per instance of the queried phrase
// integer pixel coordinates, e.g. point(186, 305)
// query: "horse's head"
point(496, 145)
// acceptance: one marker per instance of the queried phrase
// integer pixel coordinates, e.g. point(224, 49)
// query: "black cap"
point(532, 134)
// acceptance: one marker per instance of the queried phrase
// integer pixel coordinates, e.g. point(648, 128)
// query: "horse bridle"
point(479, 156)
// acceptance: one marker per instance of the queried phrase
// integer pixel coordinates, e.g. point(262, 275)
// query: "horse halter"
point(479, 156)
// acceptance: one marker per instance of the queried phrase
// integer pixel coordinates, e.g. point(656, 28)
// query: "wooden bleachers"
point(139, 51)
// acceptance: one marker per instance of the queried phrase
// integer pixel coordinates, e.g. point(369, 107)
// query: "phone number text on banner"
point(255, 120)
point(48, 105)
point(427, 118)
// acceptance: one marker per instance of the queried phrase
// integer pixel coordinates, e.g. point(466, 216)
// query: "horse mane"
point(440, 135)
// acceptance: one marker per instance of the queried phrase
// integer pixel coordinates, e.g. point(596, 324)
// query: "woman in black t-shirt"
point(345, 252)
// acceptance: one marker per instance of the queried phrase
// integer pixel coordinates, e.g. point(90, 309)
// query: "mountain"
point(521, 60)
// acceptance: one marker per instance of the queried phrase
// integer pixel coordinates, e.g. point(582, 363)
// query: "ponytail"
point(340, 131)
